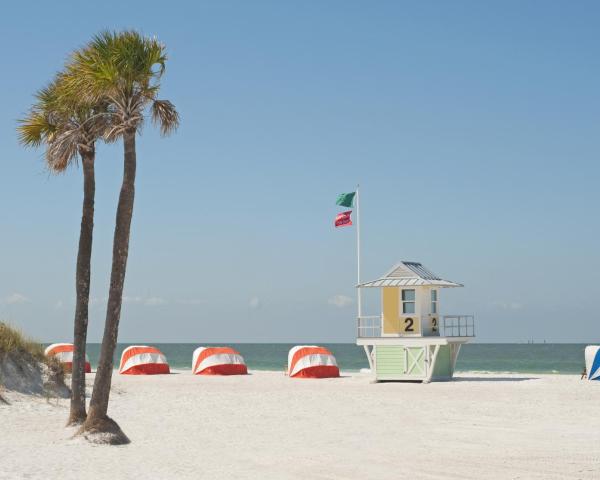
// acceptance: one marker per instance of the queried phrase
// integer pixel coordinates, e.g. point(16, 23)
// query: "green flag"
point(346, 199)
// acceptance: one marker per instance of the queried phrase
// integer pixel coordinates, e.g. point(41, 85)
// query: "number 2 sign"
point(410, 326)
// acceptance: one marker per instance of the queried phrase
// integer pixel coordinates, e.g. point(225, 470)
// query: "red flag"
point(343, 219)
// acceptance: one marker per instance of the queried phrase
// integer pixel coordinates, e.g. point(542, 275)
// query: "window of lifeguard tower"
point(408, 301)
point(434, 301)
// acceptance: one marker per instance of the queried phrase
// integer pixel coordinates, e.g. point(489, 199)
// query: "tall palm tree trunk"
point(98, 420)
point(77, 414)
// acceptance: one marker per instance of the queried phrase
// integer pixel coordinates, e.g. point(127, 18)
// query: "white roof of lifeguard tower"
point(410, 274)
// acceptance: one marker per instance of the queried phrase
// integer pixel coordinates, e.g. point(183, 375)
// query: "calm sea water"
point(519, 358)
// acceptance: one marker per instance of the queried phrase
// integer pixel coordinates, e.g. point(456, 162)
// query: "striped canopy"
point(218, 361)
point(143, 360)
point(310, 361)
point(64, 353)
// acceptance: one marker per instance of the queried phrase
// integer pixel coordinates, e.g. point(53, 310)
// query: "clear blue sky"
point(473, 128)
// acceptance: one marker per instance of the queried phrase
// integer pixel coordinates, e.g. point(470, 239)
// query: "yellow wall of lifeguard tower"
point(393, 322)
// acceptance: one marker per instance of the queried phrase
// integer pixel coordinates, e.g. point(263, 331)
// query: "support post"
point(455, 352)
point(432, 364)
point(370, 357)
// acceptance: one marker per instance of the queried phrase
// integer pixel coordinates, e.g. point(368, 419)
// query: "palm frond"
point(165, 115)
point(122, 69)
point(35, 129)
point(63, 150)
point(64, 122)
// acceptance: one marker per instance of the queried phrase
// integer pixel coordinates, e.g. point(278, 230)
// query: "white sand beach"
point(267, 426)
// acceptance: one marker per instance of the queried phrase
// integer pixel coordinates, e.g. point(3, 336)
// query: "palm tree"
point(69, 130)
point(123, 69)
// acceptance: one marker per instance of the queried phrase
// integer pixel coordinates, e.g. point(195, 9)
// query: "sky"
point(472, 128)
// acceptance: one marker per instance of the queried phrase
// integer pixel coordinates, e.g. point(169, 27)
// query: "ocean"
point(477, 357)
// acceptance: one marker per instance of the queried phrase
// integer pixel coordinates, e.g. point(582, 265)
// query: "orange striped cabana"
point(309, 361)
point(143, 360)
point(218, 361)
point(64, 353)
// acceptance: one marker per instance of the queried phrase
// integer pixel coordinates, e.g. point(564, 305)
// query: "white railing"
point(458, 326)
point(369, 326)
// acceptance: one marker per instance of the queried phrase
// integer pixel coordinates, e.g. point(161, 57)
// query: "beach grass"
point(17, 346)
point(14, 342)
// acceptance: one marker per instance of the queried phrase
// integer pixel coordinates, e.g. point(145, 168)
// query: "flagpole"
point(358, 290)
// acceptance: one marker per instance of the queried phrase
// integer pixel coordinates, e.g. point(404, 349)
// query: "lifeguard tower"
point(410, 340)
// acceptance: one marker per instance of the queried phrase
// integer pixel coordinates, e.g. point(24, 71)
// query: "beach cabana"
point(592, 362)
point(143, 360)
point(310, 361)
point(218, 361)
point(64, 353)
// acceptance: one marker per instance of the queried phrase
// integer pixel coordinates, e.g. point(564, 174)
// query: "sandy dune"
point(267, 426)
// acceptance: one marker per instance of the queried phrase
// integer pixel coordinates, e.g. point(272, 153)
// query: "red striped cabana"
point(143, 360)
point(310, 361)
point(64, 353)
point(218, 361)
